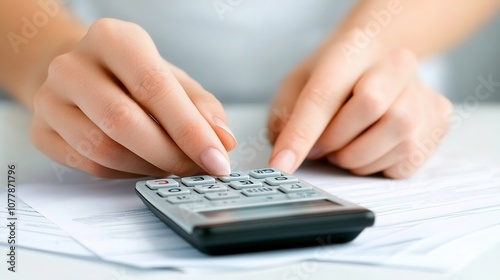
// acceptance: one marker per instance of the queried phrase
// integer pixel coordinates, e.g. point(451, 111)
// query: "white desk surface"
point(477, 137)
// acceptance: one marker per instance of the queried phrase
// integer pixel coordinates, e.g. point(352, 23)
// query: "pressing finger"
point(373, 95)
point(152, 84)
point(327, 89)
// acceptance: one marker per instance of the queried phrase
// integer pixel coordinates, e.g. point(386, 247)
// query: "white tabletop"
point(475, 133)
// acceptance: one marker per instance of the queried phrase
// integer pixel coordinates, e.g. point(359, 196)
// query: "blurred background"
point(238, 59)
point(478, 56)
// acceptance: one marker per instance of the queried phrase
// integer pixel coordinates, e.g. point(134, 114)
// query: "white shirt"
point(237, 49)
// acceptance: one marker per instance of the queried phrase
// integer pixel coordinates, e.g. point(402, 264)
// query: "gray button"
point(281, 180)
point(294, 188)
point(172, 191)
point(235, 176)
point(161, 183)
point(245, 184)
point(252, 200)
point(259, 191)
point(299, 195)
point(210, 188)
point(197, 180)
point(183, 199)
point(226, 202)
point(221, 195)
point(195, 205)
point(265, 172)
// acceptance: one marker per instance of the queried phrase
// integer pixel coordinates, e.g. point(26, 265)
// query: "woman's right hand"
point(114, 107)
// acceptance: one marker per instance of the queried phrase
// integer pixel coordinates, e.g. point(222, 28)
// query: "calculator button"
point(183, 199)
point(221, 195)
point(235, 176)
point(265, 172)
point(294, 188)
point(245, 184)
point(197, 180)
point(281, 180)
point(210, 188)
point(259, 191)
point(299, 195)
point(252, 200)
point(172, 191)
point(195, 206)
point(161, 183)
point(225, 203)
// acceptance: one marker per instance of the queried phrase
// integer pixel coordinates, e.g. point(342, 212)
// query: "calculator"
point(260, 209)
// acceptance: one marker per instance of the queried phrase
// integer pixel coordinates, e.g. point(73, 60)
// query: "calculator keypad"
point(294, 188)
point(173, 191)
point(183, 199)
point(245, 184)
point(259, 191)
point(265, 172)
point(280, 180)
point(235, 176)
point(302, 195)
point(210, 188)
point(161, 183)
point(259, 186)
point(221, 195)
point(197, 180)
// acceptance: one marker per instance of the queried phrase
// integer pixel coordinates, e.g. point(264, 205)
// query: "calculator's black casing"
point(308, 229)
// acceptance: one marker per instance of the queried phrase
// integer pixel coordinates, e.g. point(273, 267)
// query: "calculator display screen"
point(296, 207)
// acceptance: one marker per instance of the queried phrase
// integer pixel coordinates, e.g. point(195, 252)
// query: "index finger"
point(139, 66)
point(326, 91)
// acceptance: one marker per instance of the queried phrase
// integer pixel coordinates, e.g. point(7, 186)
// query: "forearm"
point(33, 33)
point(425, 26)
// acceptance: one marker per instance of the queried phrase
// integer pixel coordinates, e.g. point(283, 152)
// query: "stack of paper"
point(440, 219)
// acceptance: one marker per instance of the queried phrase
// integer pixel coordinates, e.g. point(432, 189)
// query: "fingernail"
point(220, 123)
point(284, 160)
point(314, 153)
point(215, 163)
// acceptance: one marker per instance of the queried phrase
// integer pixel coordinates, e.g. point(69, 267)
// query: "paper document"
point(449, 206)
point(37, 232)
